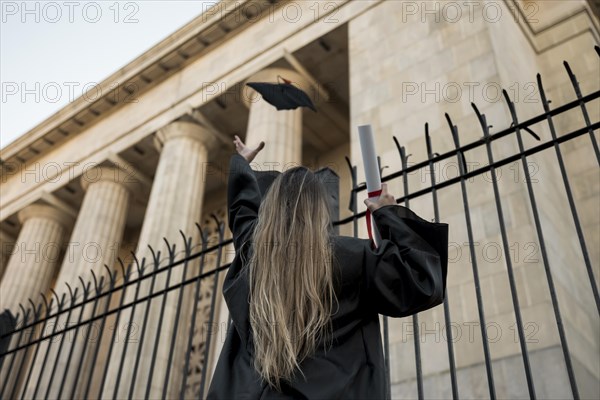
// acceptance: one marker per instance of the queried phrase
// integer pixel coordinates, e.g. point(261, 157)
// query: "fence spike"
point(100, 284)
point(402, 151)
point(220, 224)
point(508, 100)
point(586, 117)
point(25, 314)
point(128, 271)
point(380, 167)
point(45, 300)
point(169, 249)
point(352, 169)
point(541, 88)
point(482, 121)
point(95, 280)
point(476, 109)
point(59, 302)
point(35, 312)
point(137, 263)
point(221, 231)
point(16, 317)
point(110, 274)
point(124, 270)
point(348, 163)
point(183, 235)
point(120, 261)
point(70, 290)
point(405, 156)
point(153, 252)
point(187, 242)
point(509, 103)
point(85, 288)
point(398, 147)
point(532, 133)
point(454, 132)
point(155, 257)
point(570, 71)
point(428, 141)
point(512, 109)
point(144, 266)
point(202, 236)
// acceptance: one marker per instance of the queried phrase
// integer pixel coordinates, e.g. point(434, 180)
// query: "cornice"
point(187, 44)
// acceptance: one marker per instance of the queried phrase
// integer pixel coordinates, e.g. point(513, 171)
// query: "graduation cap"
point(284, 96)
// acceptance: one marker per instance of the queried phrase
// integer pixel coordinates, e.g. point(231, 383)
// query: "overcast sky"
point(51, 50)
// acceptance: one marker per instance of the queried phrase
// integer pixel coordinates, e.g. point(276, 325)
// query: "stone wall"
point(410, 66)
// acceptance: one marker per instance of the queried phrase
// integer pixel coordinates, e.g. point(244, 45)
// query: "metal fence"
point(29, 339)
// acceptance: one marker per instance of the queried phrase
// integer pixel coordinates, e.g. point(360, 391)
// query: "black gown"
point(404, 275)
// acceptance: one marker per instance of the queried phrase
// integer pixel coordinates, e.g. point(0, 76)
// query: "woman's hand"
point(385, 199)
point(246, 151)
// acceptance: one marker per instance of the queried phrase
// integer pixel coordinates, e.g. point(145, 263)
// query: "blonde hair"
point(291, 275)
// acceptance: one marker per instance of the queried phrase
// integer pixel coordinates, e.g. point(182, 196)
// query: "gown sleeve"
point(243, 200)
point(406, 274)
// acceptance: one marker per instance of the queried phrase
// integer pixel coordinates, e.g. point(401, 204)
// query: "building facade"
point(110, 174)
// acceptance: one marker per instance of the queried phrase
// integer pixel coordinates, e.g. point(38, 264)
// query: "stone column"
point(33, 264)
point(94, 242)
point(199, 358)
point(7, 243)
point(175, 204)
point(29, 272)
point(177, 192)
point(280, 130)
point(100, 225)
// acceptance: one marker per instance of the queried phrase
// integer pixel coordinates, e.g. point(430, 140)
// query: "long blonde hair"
point(291, 275)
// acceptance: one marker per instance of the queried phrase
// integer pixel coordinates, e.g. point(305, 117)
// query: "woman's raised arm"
point(406, 274)
point(243, 194)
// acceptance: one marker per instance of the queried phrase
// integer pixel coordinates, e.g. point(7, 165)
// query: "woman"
point(304, 302)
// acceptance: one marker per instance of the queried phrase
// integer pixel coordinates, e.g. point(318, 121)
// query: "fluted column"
point(33, 263)
point(29, 272)
point(6, 246)
point(175, 204)
point(95, 241)
point(178, 188)
point(100, 224)
point(281, 130)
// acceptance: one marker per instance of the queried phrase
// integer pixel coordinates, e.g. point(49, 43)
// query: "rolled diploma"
point(372, 175)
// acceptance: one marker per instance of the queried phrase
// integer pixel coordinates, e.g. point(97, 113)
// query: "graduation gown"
point(404, 275)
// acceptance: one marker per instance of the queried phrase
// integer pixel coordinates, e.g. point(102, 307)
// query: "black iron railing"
point(28, 339)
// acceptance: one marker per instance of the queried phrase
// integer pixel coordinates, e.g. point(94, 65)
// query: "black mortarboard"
point(284, 96)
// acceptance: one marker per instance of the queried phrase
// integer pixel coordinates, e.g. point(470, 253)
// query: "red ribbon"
point(375, 193)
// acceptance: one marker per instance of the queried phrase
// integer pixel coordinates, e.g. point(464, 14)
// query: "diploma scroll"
point(372, 175)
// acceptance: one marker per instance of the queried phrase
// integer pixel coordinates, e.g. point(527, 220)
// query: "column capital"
point(45, 211)
point(110, 174)
point(271, 75)
point(179, 129)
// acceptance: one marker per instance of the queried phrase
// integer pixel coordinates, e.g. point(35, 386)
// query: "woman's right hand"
point(385, 199)
point(246, 151)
